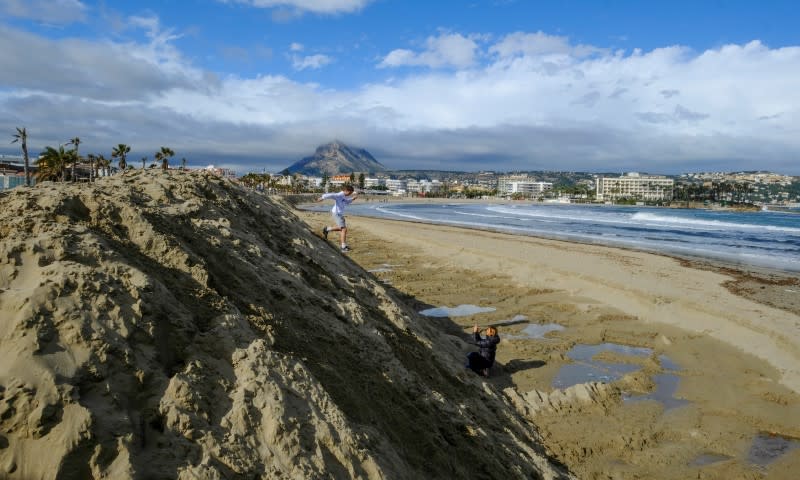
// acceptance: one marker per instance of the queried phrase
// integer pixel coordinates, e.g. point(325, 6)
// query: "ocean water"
point(761, 239)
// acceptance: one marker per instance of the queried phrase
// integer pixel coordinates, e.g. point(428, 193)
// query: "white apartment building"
point(635, 185)
point(395, 185)
point(521, 184)
point(373, 182)
point(529, 189)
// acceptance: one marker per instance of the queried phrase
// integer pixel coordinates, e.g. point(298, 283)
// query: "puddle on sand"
point(767, 448)
point(708, 459)
point(539, 331)
point(459, 311)
point(587, 370)
point(535, 331)
point(513, 321)
point(666, 385)
point(668, 364)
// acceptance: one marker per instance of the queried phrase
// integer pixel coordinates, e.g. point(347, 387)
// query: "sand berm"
point(175, 325)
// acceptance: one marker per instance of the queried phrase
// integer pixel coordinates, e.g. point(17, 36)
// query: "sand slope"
point(175, 326)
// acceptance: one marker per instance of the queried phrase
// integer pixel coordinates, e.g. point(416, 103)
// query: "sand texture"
point(177, 326)
point(729, 339)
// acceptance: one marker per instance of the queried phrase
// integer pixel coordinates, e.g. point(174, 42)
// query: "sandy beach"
point(729, 339)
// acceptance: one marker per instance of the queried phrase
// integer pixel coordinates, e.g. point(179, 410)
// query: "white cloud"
point(311, 61)
point(534, 102)
point(446, 50)
point(313, 6)
point(539, 43)
point(296, 47)
point(59, 12)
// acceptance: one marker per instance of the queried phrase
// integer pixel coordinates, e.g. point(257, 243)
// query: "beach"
point(726, 341)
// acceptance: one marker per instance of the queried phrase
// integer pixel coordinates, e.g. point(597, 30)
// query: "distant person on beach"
point(481, 361)
point(341, 200)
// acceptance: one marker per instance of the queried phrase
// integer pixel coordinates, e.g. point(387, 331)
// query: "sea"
point(765, 239)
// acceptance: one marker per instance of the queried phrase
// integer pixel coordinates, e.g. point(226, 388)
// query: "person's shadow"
point(501, 372)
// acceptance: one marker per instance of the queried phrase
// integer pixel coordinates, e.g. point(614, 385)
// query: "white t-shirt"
point(340, 201)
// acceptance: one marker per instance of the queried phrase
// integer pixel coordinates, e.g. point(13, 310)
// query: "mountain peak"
point(336, 158)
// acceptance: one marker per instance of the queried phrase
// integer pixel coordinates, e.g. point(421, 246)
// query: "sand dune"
point(176, 326)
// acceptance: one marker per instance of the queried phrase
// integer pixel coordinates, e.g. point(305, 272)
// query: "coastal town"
point(758, 189)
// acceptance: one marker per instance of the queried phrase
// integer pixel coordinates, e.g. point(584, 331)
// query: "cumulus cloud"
point(539, 43)
point(57, 12)
point(311, 61)
point(522, 102)
point(313, 6)
point(445, 50)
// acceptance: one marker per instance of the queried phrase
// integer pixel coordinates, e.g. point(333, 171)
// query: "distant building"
point(12, 178)
point(222, 172)
point(374, 182)
point(635, 185)
point(396, 185)
point(339, 180)
point(521, 184)
point(12, 172)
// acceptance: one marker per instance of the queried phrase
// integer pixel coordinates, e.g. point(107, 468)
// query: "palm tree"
point(92, 159)
point(75, 141)
point(22, 137)
point(51, 164)
point(120, 151)
point(164, 155)
point(102, 162)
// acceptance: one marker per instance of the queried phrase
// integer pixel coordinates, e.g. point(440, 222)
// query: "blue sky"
point(661, 87)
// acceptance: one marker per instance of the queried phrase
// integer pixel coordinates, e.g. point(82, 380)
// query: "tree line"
point(61, 164)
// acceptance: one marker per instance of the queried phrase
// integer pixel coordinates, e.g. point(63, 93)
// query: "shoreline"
point(744, 269)
point(738, 354)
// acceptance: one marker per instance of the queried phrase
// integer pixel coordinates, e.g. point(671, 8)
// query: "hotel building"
point(635, 185)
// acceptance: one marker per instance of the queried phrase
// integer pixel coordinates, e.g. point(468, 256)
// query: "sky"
point(662, 87)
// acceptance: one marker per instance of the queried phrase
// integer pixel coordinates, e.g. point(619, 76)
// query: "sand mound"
point(176, 326)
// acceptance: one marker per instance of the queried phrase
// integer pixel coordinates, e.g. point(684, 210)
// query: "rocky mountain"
point(179, 326)
point(336, 158)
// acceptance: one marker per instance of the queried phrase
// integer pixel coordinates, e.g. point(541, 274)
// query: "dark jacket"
point(487, 347)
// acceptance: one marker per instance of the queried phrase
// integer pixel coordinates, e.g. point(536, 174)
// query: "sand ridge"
point(178, 326)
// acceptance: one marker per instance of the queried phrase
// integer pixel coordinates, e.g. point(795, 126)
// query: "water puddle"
point(668, 364)
point(768, 447)
point(708, 459)
point(539, 331)
point(536, 331)
point(666, 386)
point(585, 369)
point(459, 311)
point(513, 321)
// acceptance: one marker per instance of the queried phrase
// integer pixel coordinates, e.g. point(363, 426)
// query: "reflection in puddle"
point(666, 385)
point(536, 331)
point(587, 370)
point(708, 459)
point(767, 448)
point(513, 321)
point(539, 331)
point(668, 364)
point(576, 373)
point(586, 352)
point(459, 311)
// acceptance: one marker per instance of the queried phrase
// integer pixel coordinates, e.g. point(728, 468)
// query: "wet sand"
point(729, 339)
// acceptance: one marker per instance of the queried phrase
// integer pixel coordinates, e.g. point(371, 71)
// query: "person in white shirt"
point(341, 200)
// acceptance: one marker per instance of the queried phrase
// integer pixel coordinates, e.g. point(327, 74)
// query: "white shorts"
point(339, 220)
